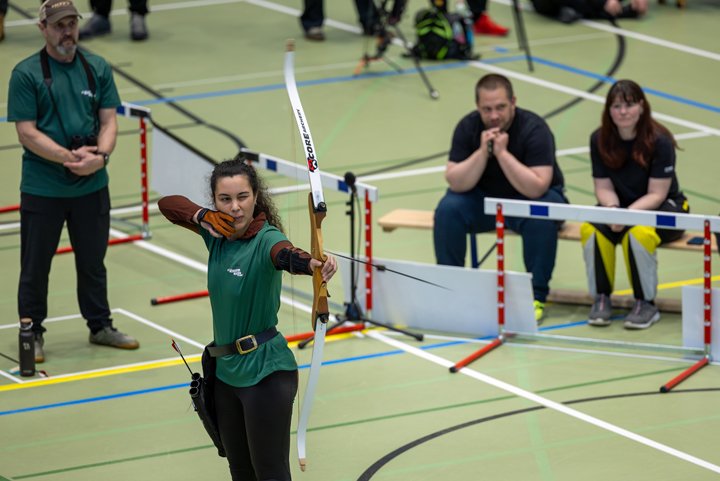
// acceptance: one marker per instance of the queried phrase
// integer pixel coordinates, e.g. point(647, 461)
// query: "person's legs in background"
point(138, 11)
point(540, 239)
point(482, 23)
point(312, 19)
point(456, 215)
point(41, 222)
point(88, 225)
point(3, 12)
point(367, 16)
point(99, 23)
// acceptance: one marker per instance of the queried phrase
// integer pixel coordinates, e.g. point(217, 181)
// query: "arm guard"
point(293, 260)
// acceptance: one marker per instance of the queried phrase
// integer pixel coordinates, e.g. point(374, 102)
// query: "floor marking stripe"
point(561, 408)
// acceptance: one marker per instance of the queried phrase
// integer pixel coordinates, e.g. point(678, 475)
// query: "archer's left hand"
point(329, 267)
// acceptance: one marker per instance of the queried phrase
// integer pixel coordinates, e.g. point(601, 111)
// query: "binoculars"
point(78, 141)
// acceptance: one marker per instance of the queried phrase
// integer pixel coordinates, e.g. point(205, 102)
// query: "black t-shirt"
point(530, 141)
point(631, 180)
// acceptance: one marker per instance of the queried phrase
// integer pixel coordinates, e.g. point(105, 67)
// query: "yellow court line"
point(672, 285)
point(98, 373)
point(113, 371)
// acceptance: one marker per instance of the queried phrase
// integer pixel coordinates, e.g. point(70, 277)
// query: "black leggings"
point(254, 424)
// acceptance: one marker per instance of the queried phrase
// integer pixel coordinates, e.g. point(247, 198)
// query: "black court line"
point(382, 462)
point(148, 89)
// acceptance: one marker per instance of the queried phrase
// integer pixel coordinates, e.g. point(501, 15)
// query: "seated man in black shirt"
point(500, 150)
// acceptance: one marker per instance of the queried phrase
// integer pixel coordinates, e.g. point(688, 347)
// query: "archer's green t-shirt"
point(30, 99)
point(244, 291)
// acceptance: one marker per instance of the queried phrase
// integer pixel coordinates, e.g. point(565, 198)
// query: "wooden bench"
point(423, 219)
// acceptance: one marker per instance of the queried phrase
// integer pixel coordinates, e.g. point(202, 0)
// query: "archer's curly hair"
point(241, 166)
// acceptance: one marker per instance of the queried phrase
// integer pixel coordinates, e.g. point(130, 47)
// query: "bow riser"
point(320, 310)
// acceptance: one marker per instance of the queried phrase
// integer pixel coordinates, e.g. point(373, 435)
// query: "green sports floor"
point(387, 408)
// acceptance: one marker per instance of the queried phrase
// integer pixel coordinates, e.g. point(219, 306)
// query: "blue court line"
point(93, 399)
point(169, 387)
point(610, 80)
point(412, 71)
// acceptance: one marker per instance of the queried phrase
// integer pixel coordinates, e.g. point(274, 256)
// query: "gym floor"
point(386, 407)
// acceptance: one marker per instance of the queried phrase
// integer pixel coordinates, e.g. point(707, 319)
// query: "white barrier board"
point(693, 316)
point(468, 306)
point(176, 170)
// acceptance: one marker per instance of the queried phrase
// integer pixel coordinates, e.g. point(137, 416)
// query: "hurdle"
point(143, 115)
point(565, 212)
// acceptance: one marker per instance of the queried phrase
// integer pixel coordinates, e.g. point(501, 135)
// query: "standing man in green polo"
point(63, 103)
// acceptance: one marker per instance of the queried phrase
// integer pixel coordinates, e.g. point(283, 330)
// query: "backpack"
point(442, 35)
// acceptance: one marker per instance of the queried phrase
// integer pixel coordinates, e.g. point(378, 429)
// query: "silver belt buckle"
point(245, 351)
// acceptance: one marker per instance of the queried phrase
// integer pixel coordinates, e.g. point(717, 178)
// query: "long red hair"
point(647, 129)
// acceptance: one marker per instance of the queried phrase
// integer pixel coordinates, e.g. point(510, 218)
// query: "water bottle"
point(26, 345)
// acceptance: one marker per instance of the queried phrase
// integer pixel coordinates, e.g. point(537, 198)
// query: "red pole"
point(9, 208)
point(707, 288)
point(707, 314)
point(143, 179)
point(111, 242)
point(500, 232)
point(339, 330)
point(368, 254)
point(178, 297)
point(500, 228)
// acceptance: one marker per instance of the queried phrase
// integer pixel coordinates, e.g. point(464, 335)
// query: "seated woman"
point(633, 167)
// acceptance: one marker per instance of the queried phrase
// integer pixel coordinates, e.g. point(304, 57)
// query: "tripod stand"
point(353, 311)
point(384, 38)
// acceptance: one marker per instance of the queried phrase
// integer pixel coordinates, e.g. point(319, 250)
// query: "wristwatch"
point(105, 156)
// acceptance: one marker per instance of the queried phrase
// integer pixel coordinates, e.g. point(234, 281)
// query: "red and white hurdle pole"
point(707, 314)
point(500, 230)
point(144, 180)
point(368, 255)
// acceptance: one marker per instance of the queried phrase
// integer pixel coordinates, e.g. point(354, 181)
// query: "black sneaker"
point(97, 25)
point(315, 34)
point(39, 351)
point(600, 311)
point(109, 336)
point(138, 29)
point(569, 15)
point(643, 315)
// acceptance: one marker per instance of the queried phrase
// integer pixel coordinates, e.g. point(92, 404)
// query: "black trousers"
point(41, 223)
point(254, 424)
point(102, 7)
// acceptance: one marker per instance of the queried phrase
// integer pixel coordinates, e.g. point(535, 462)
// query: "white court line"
point(160, 328)
point(350, 28)
point(628, 33)
point(117, 310)
point(540, 347)
point(49, 319)
point(555, 406)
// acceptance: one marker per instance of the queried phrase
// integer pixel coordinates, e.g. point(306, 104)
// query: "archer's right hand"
point(217, 223)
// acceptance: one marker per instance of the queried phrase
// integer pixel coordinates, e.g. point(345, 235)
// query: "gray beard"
point(67, 51)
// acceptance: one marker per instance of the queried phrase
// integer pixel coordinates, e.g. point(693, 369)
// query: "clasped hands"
point(86, 161)
point(498, 138)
